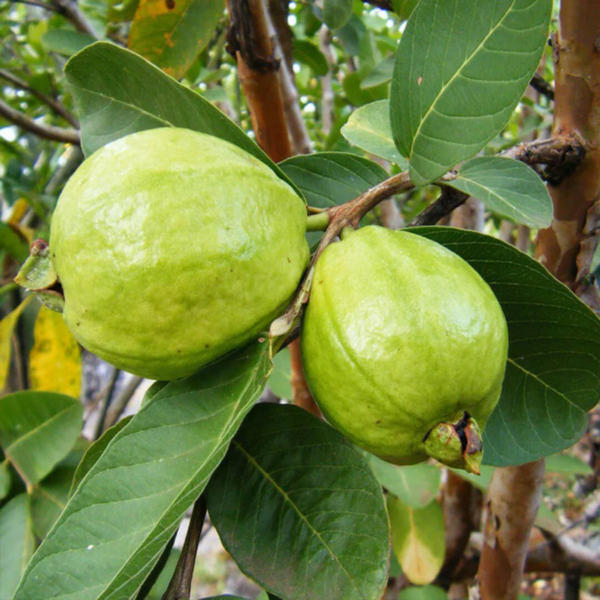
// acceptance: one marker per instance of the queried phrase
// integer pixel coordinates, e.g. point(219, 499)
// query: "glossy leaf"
point(427, 592)
point(460, 72)
point(332, 178)
point(369, 128)
point(54, 361)
point(418, 539)
point(66, 41)
point(171, 33)
point(117, 93)
point(37, 430)
point(94, 452)
point(508, 188)
point(49, 498)
point(316, 524)
point(382, 73)
point(7, 325)
point(336, 12)
point(307, 53)
point(553, 373)
point(16, 543)
point(130, 502)
point(280, 381)
point(415, 485)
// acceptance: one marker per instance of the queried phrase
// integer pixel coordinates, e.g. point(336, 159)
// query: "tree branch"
point(449, 200)
point(180, 586)
point(540, 85)
point(47, 132)
point(72, 13)
point(56, 106)
point(513, 500)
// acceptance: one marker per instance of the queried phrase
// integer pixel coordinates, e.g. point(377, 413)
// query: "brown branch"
point(257, 68)
point(72, 13)
point(56, 106)
point(180, 586)
point(540, 85)
point(327, 97)
point(47, 132)
point(462, 513)
point(513, 500)
point(120, 403)
point(449, 200)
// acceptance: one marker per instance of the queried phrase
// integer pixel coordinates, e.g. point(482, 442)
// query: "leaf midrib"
point(287, 499)
point(455, 76)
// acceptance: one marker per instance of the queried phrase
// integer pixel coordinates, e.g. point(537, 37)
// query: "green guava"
point(404, 347)
point(174, 247)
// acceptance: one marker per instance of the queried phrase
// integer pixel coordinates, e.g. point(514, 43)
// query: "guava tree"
point(472, 127)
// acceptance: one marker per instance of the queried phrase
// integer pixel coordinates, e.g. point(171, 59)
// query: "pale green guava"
point(173, 248)
point(400, 339)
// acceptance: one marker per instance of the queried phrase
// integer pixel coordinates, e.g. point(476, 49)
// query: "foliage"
point(296, 505)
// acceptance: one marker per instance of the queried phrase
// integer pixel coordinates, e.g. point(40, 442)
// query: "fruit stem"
point(317, 222)
point(457, 444)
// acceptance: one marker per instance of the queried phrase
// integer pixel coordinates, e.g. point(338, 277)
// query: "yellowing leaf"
point(18, 211)
point(54, 362)
point(7, 326)
point(418, 539)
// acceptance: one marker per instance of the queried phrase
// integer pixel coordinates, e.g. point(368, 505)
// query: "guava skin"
point(400, 334)
point(173, 248)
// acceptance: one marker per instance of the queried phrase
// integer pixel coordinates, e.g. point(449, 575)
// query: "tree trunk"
point(565, 249)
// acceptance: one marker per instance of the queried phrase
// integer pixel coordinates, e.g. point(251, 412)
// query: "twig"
point(118, 406)
point(449, 199)
point(181, 584)
point(56, 106)
point(540, 85)
point(100, 424)
point(47, 132)
point(72, 13)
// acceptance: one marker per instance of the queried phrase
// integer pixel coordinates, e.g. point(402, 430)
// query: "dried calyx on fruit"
point(404, 347)
point(172, 248)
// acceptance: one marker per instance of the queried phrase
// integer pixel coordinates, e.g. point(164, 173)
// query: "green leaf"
point(130, 502)
point(49, 498)
point(16, 543)
point(553, 372)
point(13, 243)
point(332, 178)
point(117, 93)
point(418, 539)
point(382, 73)
point(460, 72)
point(336, 12)
point(369, 128)
point(567, 464)
point(415, 485)
point(427, 592)
point(37, 430)
point(307, 53)
point(280, 381)
point(404, 8)
point(4, 480)
point(172, 34)
point(298, 508)
point(507, 187)
point(122, 10)
point(66, 41)
point(94, 452)
point(546, 520)
point(357, 96)
point(96, 14)
point(351, 35)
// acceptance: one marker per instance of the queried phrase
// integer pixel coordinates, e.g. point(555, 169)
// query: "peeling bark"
point(565, 248)
point(514, 498)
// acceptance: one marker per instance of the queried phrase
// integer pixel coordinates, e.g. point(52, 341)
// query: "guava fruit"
point(404, 347)
point(174, 247)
